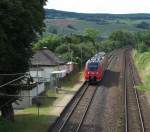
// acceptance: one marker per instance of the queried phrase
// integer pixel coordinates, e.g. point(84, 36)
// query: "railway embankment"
point(142, 61)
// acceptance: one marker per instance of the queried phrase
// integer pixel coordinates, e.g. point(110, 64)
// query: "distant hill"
point(51, 14)
point(62, 22)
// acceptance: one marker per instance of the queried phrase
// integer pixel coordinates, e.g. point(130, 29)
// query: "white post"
point(37, 86)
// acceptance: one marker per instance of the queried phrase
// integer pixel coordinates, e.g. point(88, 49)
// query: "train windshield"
point(92, 66)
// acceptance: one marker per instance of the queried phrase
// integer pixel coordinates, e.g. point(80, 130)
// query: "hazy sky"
point(101, 6)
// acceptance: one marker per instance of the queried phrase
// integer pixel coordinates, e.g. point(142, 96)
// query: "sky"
point(101, 6)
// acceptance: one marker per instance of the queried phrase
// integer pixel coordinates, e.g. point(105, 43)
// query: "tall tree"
point(123, 38)
point(91, 35)
point(21, 21)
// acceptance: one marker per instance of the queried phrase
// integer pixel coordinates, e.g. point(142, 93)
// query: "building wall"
point(27, 96)
point(44, 74)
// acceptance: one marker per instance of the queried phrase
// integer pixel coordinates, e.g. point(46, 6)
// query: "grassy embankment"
point(142, 61)
point(27, 120)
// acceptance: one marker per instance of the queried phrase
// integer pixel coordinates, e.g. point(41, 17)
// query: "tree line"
point(79, 48)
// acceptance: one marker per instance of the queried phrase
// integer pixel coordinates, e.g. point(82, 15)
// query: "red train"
point(95, 68)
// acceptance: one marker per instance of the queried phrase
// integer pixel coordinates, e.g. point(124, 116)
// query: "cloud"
point(101, 6)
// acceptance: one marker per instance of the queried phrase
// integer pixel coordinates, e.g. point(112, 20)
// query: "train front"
point(93, 71)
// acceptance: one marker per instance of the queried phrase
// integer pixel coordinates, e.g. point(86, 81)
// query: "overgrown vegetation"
point(143, 63)
point(142, 58)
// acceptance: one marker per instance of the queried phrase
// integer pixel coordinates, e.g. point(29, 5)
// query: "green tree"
point(51, 42)
point(91, 35)
point(143, 41)
point(21, 22)
point(143, 25)
point(79, 53)
point(123, 38)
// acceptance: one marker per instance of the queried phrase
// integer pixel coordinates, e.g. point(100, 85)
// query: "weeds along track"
point(133, 114)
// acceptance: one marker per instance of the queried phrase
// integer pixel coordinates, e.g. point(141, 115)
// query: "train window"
point(92, 66)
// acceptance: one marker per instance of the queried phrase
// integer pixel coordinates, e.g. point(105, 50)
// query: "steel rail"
point(135, 93)
point(86, 111)
point(125, 94)
point(74, 107)
point(137, 100)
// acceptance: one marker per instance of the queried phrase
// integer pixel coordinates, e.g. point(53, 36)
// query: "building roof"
point(45, 57)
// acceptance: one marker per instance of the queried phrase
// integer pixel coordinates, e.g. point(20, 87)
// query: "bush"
point(142, 47)
point(50, 41)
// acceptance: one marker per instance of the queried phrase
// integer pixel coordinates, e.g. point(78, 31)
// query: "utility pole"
point(37, 101)
point(81, 57)
point(69, 49)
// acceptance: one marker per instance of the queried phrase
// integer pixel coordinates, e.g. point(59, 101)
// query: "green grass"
point(27, 120)
point(142, 61)
point(26, 123)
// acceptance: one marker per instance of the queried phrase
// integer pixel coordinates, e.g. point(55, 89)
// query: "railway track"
point(133, 114)
point(76, 117)
point(72, 121)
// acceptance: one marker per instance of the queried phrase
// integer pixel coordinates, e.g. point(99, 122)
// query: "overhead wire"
point(14, 74)
point(12, 95)
point(14, 80)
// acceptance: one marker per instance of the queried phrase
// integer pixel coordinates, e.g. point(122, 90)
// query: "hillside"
point(50, 13)
point(62, 22)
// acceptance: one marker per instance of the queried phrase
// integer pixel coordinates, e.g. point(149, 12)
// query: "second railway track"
point(133, 114)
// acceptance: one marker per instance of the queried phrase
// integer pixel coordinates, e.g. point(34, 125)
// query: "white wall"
point(45, 72)
point(27, 96)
